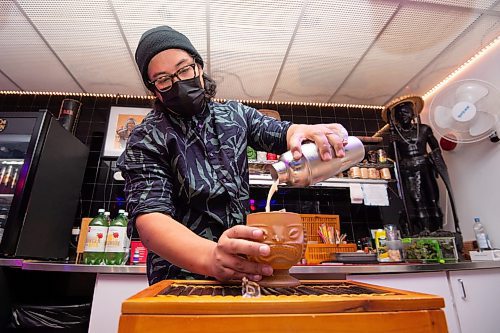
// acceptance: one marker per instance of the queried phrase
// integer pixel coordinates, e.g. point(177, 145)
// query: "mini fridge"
point(41, 173)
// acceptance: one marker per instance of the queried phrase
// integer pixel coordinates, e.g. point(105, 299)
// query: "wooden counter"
point(315, 306)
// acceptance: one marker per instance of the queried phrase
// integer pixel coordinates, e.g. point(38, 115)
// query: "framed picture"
point(122, 121)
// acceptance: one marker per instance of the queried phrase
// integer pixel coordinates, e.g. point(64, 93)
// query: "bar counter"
point(465, 286)
point(324, 271)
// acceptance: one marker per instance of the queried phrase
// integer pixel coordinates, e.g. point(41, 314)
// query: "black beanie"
point(160, 39)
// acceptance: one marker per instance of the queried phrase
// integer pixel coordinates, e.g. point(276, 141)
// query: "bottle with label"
point(117, 243)
point(482, 239)
point(381, 246)
point(93, 253)
point(311, 169)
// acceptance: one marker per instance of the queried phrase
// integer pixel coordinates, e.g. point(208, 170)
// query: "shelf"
point(266, 180)
point(260, 167)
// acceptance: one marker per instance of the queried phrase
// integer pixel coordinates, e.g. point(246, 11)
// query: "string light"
point(319, 104)
point(59, 93)
point(460, 69)
point(219, 100)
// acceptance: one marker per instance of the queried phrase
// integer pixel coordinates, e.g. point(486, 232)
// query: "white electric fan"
point(466, 111)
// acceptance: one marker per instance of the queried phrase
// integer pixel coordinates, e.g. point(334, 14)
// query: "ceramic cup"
point(284, 233)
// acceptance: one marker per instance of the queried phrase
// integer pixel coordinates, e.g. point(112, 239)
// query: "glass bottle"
point(116, 251)
point(93, 253)
point(482, 239)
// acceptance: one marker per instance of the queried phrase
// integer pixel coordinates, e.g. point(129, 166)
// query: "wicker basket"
point(316, 253)
point(312, 222)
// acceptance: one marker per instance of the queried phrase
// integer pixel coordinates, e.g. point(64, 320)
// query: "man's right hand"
point(229, 256)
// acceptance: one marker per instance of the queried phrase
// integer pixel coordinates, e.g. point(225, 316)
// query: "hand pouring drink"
point(283, 231)
point(311, 169)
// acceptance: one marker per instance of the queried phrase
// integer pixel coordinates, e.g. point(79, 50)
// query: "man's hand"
point(325, 136)
point(229, 257)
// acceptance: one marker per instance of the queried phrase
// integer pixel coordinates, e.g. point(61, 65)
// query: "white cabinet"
point(477, 299)
point(109, 292)
point(434, 283)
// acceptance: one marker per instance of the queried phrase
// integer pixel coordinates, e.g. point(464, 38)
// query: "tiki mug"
point(284, 234)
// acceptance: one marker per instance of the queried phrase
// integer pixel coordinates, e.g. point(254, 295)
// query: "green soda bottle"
point(116, 252)
point(93, 253)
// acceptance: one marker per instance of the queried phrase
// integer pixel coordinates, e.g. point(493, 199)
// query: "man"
point(186, 171)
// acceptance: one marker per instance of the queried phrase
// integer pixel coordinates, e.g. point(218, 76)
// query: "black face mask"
point(186, 98)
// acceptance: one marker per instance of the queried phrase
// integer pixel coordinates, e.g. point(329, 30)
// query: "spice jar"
point(271, 157)
point(364, 173)
point(261, 156)
point(354, 172)
point(385, 173)
point(373, 173)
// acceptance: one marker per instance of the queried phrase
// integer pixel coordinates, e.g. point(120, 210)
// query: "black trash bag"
point(53, 316)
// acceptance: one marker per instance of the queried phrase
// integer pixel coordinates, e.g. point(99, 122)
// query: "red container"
point(271, 157)
point(138, 253)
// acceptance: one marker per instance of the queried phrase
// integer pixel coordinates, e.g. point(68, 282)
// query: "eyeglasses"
point(164, 82)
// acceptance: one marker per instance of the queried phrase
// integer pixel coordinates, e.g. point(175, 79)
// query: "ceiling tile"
point(188, 17)
point(414, 37)
point(26, 59)
point(332, 37)
point(248, 44)
point(482, 32)
point(88, 41)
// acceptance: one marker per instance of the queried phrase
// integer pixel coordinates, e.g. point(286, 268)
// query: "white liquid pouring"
point(272, 190)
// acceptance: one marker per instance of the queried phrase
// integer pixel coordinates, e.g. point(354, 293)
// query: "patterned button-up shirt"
point(195, 170)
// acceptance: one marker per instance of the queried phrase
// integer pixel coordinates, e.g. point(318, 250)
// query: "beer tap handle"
point(14, 178)
point(2, 174)
point(7, 176)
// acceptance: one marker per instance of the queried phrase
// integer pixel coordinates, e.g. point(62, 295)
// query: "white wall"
point(475, 168)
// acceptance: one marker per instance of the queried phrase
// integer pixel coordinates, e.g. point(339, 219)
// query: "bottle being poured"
point(310, 168)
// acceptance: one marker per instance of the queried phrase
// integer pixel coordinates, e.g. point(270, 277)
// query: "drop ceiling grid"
point(248, 44)
point(26, 59)
point(92, 49)
point(331, 39)
point(476, 4)
point(6, 84)
point(481, 33)
point(188, 17)
point(413, 39)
